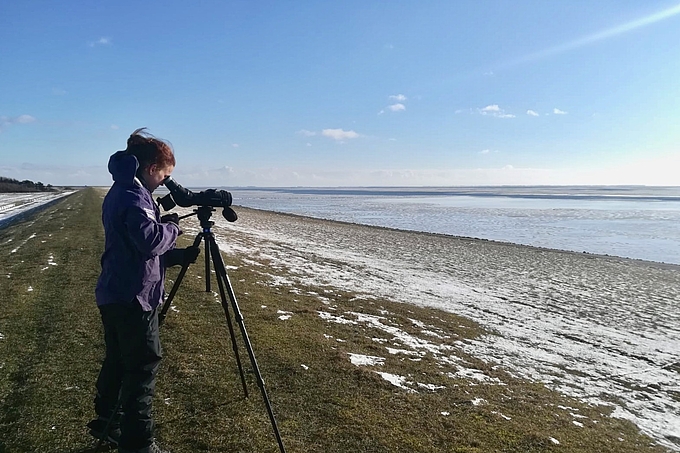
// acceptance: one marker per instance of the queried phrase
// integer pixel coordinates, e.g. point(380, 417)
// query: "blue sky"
point(352, 93)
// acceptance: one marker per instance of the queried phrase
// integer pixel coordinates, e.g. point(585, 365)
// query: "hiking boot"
point(153, 448)
point(97, 427)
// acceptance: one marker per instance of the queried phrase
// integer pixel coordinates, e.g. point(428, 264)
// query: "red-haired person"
point(139, 245)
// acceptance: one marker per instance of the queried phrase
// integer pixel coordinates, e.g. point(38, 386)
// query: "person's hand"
point(173, 217)
point(190, 254)
point(180, 257)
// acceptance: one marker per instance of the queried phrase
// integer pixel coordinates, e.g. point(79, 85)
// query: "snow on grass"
point(365, 360)
point(605, 331)
point(397, 381)
point(13, 204)
point(285, 315)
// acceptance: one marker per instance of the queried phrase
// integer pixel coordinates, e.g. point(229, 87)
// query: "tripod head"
point(205, 212)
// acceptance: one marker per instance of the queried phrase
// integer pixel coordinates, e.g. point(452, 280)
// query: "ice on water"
point(631, 222)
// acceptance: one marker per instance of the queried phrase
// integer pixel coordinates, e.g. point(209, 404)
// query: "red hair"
point(150, 150)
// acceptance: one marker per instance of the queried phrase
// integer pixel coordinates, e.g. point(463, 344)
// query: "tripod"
point(212, 251)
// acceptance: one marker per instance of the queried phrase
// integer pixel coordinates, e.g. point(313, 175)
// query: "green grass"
point(52, 345)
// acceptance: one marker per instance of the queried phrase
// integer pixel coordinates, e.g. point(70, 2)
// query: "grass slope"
point(51, 346)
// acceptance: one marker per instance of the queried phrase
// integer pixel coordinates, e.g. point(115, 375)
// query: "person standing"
point(139, 244)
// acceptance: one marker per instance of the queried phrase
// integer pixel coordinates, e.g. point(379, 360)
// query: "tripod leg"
point(178, 281)
point(207, 264)
point(107, 428)
point(225, 307)
point(222, 276)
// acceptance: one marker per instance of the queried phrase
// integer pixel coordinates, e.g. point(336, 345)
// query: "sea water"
point(632, 222)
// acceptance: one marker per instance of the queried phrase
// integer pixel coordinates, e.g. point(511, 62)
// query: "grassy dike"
point(51, 346)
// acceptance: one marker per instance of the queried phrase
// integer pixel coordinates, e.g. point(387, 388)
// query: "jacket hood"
point(123, 167)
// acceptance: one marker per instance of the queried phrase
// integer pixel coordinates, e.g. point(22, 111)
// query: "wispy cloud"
point(339, 134)
point(495, 110)
point(398, 106)
point(103, 41)
point(532, 113)
point(560, 112)
point(306, 133)
point(602, 35)
point(6, 121)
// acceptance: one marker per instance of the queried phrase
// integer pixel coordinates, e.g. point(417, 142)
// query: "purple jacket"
point(132, 263)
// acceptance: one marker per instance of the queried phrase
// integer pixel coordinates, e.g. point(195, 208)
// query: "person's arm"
point(150, 237)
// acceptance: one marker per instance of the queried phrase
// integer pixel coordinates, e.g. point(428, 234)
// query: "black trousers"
point(133, 354)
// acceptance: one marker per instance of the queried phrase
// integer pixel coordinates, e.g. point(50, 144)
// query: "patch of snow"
point(431, 387)
point(469, 373)
point(285, 315)
point(401, 351)
point(397, 381)
point(365, 360)
point(336, 319)
point(503, 416)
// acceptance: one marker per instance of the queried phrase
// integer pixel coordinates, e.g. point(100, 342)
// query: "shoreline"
point(660, 264)
point(603, 329)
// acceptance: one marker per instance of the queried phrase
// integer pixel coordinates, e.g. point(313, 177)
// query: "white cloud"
point(397, 107)
point(559, 112)
point(495, 110)
point(306, 133)
point(103, 41)
point(491, 108)
point(485, 151)
point(235, 145)
point(25, 119)
point(339, 134)
point(532, 113)
point(115, 127)
point(398, 97)
point(6, 121)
